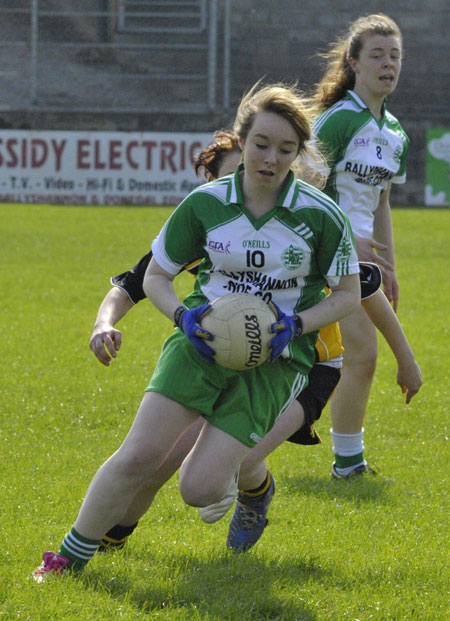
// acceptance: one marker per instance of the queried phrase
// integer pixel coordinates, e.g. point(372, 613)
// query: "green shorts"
point(244, 404)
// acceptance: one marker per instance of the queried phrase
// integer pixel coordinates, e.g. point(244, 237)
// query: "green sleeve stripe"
point(322, 118)
point(325, 203)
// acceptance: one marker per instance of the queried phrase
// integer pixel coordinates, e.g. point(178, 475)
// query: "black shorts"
point(322, 381)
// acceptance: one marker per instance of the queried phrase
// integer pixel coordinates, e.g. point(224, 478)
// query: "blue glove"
point(286, 328)
point(189, 323)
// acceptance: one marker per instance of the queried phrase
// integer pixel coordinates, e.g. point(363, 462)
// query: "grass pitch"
point(372, 548)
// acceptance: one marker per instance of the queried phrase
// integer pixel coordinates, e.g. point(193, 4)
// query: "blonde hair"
point(339, 75)
point(288, 102)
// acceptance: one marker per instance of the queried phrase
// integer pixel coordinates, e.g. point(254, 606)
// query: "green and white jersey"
point(364, 155)
point(287, 255)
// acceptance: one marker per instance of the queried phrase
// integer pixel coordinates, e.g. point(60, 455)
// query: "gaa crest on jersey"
point(292, 257)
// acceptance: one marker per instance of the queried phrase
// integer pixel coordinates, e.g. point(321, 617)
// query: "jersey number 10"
point(255, 258)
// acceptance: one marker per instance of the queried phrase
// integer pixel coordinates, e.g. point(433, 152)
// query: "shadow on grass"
point(359, 490)
point(226, 586)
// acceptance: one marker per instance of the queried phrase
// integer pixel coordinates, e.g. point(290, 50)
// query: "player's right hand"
point(366, 247)
point(391, 288)
point(190, 322)
point(409, 378)
point(105, 343)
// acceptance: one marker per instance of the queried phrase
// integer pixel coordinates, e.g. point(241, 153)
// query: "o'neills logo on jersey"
point(219, 247)
point(255, 243)
point(254, 342)
point(381, 141)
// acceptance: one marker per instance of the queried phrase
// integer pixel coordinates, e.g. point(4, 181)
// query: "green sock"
point(78, 549)
point(347, 461)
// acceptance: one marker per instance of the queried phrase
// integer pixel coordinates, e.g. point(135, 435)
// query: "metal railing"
point(171, 16)
point(115, 55)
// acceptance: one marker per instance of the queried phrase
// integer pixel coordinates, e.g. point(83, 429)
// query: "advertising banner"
point(98, 168)
point(437, 177)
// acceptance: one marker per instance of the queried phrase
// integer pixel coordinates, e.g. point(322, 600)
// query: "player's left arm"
point(383, 232)
point(105, 339)
point(344, 299)
point(127, 291)
point(409, 376)
point(158, 287)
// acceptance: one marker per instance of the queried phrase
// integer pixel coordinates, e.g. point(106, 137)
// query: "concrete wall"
point(279, 39)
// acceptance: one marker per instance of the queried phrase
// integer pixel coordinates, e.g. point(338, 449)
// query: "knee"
point(134, 466)
point(367, 366)
point(361, 363)
point(198, 493)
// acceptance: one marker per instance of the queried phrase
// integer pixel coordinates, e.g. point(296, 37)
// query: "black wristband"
point(177, 315)
point(299, 324)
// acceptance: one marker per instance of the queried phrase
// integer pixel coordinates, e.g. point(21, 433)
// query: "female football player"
point(366, 149)
point(304, 241)
point(219, 159)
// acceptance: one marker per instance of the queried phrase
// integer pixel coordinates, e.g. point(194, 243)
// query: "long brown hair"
point(209, 160)
point(339, 75)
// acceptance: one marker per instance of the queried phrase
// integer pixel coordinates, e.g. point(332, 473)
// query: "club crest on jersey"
point(344, 250)
point(397, 154)
point(292, 257)
point(217, 246)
